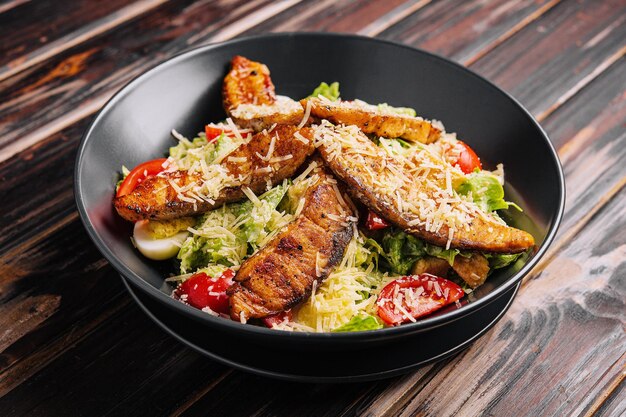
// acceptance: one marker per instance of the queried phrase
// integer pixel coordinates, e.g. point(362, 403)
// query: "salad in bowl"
point(319, 214)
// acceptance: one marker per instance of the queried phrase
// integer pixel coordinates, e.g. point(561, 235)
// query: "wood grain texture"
point(27, 26)
point(331, 16)
point(88, 21)
point(557, 52)
point(76, 83)
point(589, 133)
point(465, 30)
point(75, 341)
point(159, 370)
point(613, 404)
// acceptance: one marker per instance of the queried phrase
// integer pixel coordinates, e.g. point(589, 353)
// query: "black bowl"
point(185, 93)
point(283, 362)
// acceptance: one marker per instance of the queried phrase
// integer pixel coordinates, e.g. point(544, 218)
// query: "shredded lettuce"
point(125, 172)
point(360, 323)
point(401, 250)
point(227, 235)
point(501, 260)
point(367, 252)
point(188, 154)
point(486, 191)
point(181, 150)
point(331, 91)
point(407, 111)
point(446, 254)
point(262, 220)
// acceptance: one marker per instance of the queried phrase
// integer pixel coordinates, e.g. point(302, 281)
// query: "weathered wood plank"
point(149, 378)
point(84, 77)
point(589, 132)
point(554, 57)
point(333, 16)
point(38, 30)
point(75, 84)
point(7, 5)
point(466, 30)
point(615, 403)
point(26, 26)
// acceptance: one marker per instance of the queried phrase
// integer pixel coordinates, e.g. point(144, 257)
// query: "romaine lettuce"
point(407, 111)
point(189, 153)
point(331, 91)
point(486, 191)
point(360, 323)
point(227, 235)
point(401, 250)
point(501, 260)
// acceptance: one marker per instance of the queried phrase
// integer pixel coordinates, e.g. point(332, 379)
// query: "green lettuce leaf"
point(187, 152)
point(331, 91)
point(367, 252)
point(227, 235)
point(407, 111)
point(125, 172)
point(486, 191)
point(501, 260)
point(401, 250)
point(439, 252)
point(360, 323)
point(260, 219)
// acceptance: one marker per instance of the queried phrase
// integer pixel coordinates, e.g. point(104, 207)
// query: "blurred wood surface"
point(72, 342)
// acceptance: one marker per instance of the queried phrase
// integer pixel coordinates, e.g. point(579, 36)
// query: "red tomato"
point(212, 133)
point(375, 222)
point(203, 291)
point(138, 174)
point(272, 321)
point(463, 156)
point(418, 295)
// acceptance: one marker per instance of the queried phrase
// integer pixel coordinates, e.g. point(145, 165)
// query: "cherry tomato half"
point(417, 295)
point(138, 174)
point(463, 156)
point(375, 222)
point(201, 291)
point(272, 321)
point(212, 133)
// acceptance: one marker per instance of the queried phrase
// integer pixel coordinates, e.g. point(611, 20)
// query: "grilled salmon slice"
point(268, 158)
point(416, 193)
point(282, 274)
point(247, 82)
point(370, 119)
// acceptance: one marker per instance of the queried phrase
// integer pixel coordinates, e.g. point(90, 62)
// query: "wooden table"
point(73, 342)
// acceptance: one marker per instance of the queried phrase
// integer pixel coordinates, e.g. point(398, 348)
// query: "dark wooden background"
point(73, 343)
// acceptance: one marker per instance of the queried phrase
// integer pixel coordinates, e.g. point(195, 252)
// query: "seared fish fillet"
point(269, 157)
point(248, 82)
point(372, 120)
point(415, 193)
point(282, 274)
